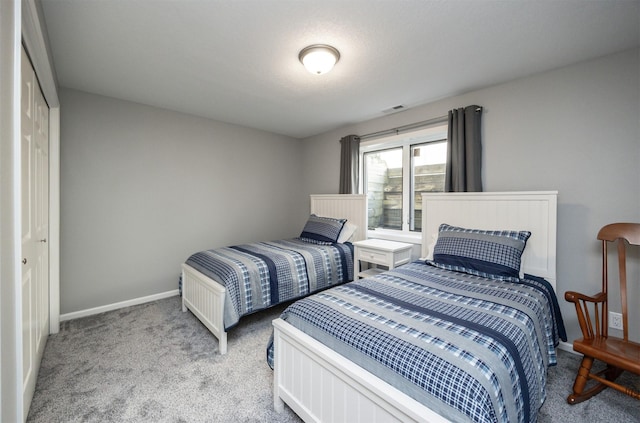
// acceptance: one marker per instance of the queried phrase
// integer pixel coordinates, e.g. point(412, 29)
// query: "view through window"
point(397, 170)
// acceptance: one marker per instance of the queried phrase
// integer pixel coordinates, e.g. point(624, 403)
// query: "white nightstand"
point(379, 251)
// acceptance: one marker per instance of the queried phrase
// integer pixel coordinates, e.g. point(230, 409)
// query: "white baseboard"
point(116, 306)
point(567, 346)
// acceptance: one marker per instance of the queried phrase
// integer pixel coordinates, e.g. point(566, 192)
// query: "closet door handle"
point(24, 261)
point(43, 240)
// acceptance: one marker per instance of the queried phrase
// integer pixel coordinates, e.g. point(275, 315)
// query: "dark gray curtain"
point(464, 151)
point(349, 151)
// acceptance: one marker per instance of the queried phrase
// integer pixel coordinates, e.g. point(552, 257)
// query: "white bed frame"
point(320, 385)
point(205, 297)
point(519, 211)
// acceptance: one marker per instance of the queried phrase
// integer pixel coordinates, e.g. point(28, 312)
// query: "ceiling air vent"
point(394, 109)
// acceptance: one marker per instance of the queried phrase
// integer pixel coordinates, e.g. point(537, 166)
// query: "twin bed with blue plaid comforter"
point(469, 348)
point(260, 275)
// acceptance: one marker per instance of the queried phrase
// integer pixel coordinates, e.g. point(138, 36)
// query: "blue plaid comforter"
point(260, 275)
point(471, 349)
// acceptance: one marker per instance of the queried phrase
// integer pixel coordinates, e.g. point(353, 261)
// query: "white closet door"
point(28, 245)
point(35, 227)
point(41, 219)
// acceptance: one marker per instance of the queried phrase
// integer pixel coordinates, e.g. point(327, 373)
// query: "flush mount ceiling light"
point(319, 58)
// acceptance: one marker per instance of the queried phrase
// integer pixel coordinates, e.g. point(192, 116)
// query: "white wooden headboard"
point(534, 211)
point(352, 207)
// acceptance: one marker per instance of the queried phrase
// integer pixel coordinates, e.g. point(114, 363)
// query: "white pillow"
point(347, 232)
point(431, 246)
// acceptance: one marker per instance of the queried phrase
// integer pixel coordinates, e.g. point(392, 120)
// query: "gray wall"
point(142, 188)
point(575, 130)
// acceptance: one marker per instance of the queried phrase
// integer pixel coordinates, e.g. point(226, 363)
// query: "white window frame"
point(436, 132)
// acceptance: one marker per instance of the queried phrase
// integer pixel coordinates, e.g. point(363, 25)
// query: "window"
point(396, 170)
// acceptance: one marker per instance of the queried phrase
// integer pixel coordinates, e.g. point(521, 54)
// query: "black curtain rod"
point(396, 131)
point(411, 126)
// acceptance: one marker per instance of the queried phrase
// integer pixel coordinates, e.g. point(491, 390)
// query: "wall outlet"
point(615, 320)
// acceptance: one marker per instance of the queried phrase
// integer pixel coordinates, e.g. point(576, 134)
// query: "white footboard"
point(322, 386)
point(205, 299)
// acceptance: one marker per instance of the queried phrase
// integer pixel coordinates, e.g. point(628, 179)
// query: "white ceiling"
point(237, 61)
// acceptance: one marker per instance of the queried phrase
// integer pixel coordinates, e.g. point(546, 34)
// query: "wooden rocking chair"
point(619, 354)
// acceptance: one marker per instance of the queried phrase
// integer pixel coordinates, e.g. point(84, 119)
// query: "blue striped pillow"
point(490, 254)
point(324, 229)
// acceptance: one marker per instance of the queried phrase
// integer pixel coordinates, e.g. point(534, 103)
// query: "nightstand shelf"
point(379, 252)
